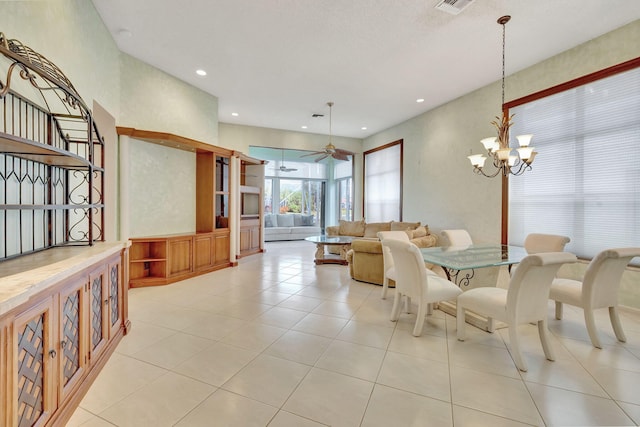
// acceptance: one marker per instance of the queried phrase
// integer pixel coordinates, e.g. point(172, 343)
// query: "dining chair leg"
point(491, 325)
point(407, 304)
point(514, 341)
point(543, 331)
point(395, 311)
point(590, 321)
point(617, 326)
point(558, 310)
point(385, 287)
point(422, 311)
point(460, 323)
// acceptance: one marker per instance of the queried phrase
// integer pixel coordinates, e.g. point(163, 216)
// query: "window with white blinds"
point(585, 181)
point(383, 183)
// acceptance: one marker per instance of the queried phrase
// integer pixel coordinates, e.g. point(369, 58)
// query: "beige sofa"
point(365, 256)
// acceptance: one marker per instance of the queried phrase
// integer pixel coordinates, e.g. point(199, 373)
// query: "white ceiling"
point(276, 62)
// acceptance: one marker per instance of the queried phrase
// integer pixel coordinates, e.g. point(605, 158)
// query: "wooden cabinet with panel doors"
point(55, 342)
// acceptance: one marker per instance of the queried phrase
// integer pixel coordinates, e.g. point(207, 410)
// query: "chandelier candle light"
point(498, 147)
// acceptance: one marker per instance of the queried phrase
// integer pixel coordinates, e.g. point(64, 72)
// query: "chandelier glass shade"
point(506, 161)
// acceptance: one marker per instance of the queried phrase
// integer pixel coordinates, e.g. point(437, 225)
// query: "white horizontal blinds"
point(382, 182)
point(342, 168)
point(585, 181)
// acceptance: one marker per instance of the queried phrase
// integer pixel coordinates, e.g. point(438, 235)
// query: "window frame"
point(399, 142)
point(571, 84)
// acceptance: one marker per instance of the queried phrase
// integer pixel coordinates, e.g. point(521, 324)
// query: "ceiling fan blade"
point(340, 156)
point(344, 152)
point(325, 155)
point(315, 153)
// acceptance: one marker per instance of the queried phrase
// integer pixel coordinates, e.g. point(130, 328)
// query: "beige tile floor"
point(280, 342)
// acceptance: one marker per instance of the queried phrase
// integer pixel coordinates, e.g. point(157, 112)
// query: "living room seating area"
point(365, 257)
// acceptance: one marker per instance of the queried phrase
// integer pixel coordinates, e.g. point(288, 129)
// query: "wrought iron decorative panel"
point(51, 157)
point(96, 311)
point(30, 372)
point(113, 293)
point(71, 336)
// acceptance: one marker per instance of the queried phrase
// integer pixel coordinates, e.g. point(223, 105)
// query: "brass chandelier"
point(498, 148)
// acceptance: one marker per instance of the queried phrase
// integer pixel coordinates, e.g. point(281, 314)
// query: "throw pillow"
point(285, 220)
point(352, 228)
point(371, 229)
point(401, 226)
point(420, 232)
point(269, 220)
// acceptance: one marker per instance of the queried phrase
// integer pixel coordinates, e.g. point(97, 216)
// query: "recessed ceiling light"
point(124, 33)
point(420, 100)
point(363, 128)
point(304, 127)
point(201, 72)
point(235, 114)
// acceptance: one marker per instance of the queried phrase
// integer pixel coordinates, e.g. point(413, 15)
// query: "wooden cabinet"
point(222, 244)
point(160, 260)
point(98, 311)
point(72, 326)
point(54, 344)
point(148, 260)
point(33, 353)
point(212, 191)
point(249, 236)
point(204, 251)
point(180, 257)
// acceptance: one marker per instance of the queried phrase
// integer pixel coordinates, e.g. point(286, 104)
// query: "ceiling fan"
point(282, 167)
point(330, 150)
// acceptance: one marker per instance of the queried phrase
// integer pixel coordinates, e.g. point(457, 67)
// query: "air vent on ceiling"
point(453, 7)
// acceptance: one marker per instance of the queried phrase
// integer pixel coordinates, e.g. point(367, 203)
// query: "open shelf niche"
point(251, 206)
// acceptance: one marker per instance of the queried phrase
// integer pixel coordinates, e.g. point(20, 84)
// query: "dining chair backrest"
point(536, 243)
point(387, 259)
point(458, 237)
point(411, 272)
point(528, 291)
point(601, 281)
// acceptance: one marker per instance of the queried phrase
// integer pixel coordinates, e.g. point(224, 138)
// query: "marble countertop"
point(23, 277)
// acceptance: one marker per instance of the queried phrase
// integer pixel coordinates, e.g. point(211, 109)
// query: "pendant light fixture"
point(498, 148)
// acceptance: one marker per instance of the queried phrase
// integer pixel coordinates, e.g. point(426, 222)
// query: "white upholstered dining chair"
point(598, 289)
point(415, 282)
point(536, 243)
point(525, 301)
point(387, 259)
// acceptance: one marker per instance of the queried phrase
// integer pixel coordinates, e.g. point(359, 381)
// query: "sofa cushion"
point(352, 228)
point(285, 220)
point(371, 229)
point(297, 220)
point(270, 220)
point(308, 220)
point(402, 226)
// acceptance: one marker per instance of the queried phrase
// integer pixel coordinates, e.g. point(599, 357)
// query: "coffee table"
point(321, 241)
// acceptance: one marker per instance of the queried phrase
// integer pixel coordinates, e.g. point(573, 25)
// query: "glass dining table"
point(456, 259)
point(460, 263)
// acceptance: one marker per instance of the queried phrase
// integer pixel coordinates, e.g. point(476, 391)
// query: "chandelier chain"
point(504, 29)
